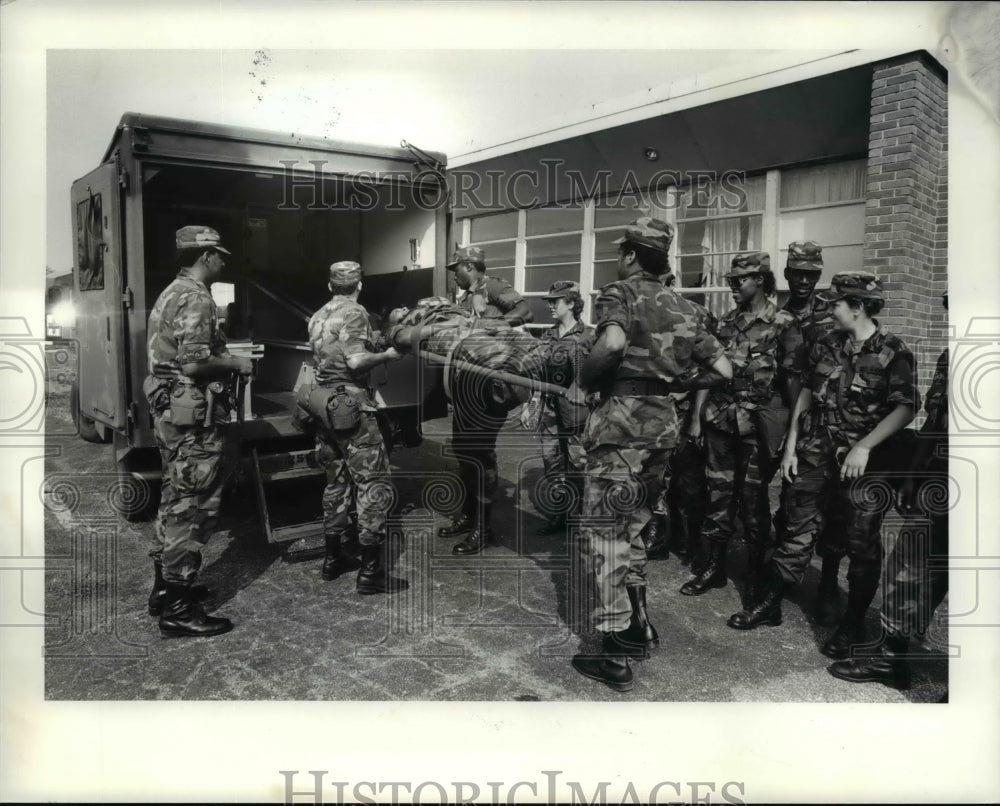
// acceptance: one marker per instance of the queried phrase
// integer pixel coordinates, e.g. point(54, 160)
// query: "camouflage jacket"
point(499, 296)
point(337, 331)
point(855, 387)
point(684, 401)
point(936, 402)
point(183, 327)
point(557, 360)
point(756, 344)
point(667, 338)
point(811, 324)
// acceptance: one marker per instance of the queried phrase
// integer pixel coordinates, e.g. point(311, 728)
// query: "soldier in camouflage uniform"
point(680, 511)
point(491, 302)
point(560, 421)
point(187, 355)
point(737, 455)
point(916, 573)
point(486, 297)
point(349, 444)
point(649, 342)
point(858, 393)
point(802, 271)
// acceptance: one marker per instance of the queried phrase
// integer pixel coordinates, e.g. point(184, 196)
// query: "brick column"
point(906, 219)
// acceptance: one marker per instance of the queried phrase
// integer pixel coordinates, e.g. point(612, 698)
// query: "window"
point(714, 222)
point(90, 243)
point(825, 204)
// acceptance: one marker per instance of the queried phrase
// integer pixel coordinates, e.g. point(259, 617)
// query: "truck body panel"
point(285, 207)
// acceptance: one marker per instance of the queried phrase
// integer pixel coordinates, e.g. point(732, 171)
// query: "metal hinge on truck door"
point(123, 177)
point(127, 299)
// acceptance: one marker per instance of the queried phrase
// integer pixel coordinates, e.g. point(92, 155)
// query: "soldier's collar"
point(186, 275)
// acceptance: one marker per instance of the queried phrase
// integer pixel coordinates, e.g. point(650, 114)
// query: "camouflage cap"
point(805, 255)
point(649, 232)
point(563, 289)
point(467, 254)
point(196, 237)
point(860, 284)
point(750, 263)
point(345, 272)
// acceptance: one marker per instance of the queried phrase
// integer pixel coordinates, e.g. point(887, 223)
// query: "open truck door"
point(97, 285)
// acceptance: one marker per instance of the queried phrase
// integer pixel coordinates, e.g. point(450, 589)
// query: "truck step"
point(301, 539)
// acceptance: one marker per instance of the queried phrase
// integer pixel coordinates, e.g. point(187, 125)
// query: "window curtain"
point(824, 184)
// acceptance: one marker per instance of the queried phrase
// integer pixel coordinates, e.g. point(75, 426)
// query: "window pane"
point(503, 274)
point(824, 184)
point(540, 279)
point(605, 247)
point(730, 235)
point(550, 220)
point(831, 226)
point(701, 270)
point(722, 198)
point(493, 227)
point(557, 249)
point(605, 273)
point(499, 254)
point(609, 216)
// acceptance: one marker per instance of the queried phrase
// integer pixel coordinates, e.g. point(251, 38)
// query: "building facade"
point(855, 160)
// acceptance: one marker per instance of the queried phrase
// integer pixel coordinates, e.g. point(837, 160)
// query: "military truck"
point(286, 206)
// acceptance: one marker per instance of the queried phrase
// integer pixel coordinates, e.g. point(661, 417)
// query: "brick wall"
point(906, 220)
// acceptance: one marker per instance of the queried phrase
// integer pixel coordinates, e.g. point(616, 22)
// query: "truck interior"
point(275, 279)
point(282, 238)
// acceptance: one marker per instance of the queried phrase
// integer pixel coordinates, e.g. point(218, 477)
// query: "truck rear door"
point(98, 268)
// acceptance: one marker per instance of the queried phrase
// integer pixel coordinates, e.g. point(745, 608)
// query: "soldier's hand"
point(854, 463)
point(392, 354)
point(244, 366)
point(789, 466)
point(694, 432)
point(575, 395)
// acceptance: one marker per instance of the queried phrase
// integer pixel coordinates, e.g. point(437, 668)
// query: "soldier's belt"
point(641, 387)
point(347, 387)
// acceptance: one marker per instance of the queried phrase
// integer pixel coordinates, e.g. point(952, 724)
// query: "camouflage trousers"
point(816, 491)
point(475, 426)
point(563, 459)
point(685, 488)
point(621, 485)
point(735, 487)
point(916, 573)
point(193, 475)
point(357, 480)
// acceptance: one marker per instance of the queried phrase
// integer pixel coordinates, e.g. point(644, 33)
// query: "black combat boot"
point(611, 667)
point(197, 593)
point(479, 538)
point(756, 571)
point(338, 560)
point(889, 666)
point(713, 575)
point(656, 537)
point(182, 618)
point(374, 576)
point(459, 526)
point(828, 610)
point(850, 631)
point(767, 608)
point(639, 632)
